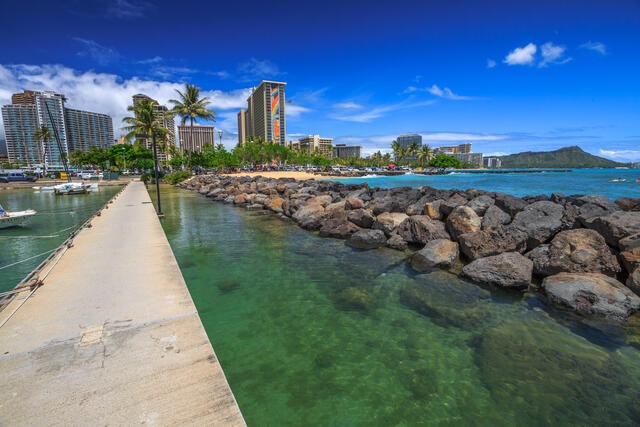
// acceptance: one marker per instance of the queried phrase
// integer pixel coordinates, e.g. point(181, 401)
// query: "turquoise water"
point(311, 332)
point(579, 181)
point(24, 248)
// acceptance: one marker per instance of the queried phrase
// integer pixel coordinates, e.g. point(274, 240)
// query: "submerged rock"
point(592, 294)
point(367, 239)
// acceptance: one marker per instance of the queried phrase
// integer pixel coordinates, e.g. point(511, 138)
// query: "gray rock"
point(441, 253)
point(481, 203)
point(540, 220)
point(631, 263)
point(494, 217)
point(420, 229)
point(396, 242)
point(592, 294)
point(509, 204)
point(616, 226)
point(367, 239)
point(508, 270)
point(574, 251)
point(492, 242)
point(361, 217)
point(630, 242)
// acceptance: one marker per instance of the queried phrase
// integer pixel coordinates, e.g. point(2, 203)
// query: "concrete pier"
point(112, 337)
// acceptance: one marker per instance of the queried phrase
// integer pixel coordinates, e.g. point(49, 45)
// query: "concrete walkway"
point(113, 337)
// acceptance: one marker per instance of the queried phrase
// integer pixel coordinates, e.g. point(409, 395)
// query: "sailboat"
point(13, 219)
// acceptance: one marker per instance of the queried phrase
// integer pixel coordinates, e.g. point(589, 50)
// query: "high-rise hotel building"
point(265, 116)
point(165, 119)
point(70, 129)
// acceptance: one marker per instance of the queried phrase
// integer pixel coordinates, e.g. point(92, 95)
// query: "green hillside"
point(568, 157)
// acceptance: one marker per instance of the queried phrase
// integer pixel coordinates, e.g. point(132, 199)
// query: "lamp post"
point(220, 135)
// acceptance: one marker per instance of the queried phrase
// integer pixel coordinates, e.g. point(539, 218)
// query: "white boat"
point(72, 188)
point(12, 219)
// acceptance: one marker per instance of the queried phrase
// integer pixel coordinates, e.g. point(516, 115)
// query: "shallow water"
point(312, 332)
point(24, 248)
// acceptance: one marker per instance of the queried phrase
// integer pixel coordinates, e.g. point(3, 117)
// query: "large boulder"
point(462, 220)
point(509, 204)
point(441, 253)
point(495, 217)
point(631, 263)
point(628, 204)
point(593, 205)
point(367, 239)
point(311, 215)
point(481, 203)
point(420, 229)
point(574, 251)
point(388, 221)
point(540, 220)
point(630, 242)
point(508, 270)
point(361, 217)
point(592, 294)
point(495, 241)
point(338, 227)
point(616, 226)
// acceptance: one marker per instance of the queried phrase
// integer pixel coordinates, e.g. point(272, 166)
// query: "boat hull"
point(17, 219)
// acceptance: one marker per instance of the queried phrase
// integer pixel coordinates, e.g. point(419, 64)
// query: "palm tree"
point(425, 154)
point(396, 147)
point(191, 107)
point(146, 121)
point(412, 150)
point(43, 134)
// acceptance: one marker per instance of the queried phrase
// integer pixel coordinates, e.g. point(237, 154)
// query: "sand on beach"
point(299, 175)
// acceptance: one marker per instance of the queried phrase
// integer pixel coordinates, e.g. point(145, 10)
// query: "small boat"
point(618, 180)
point(13, 219)
point(70, 188)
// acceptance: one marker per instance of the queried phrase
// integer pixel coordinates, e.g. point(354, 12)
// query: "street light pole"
point(220, 135)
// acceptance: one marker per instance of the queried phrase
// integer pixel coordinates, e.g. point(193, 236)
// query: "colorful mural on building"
point(275, 112)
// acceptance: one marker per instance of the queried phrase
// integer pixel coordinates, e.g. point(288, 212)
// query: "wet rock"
point(616, 226)
point(495, 241)
point(396, 242)
point(462, 220)
point(592, 294)
point(352, 298)
point(574, 251)
point(540, 220)
point(367, 239)
point(420, 229)
point(508, 270)
point(441, 253)
point(494, 217)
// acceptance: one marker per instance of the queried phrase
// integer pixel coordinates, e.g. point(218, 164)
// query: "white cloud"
point(595, 46)
point(446, 93)
point(347, 105)
point(259, 69)
point(103, 55)
point(377, 112)
point(293, 110)
point(491, 63)
point(621, 155)
point(522, 55)
point(552, 54)
point(109, 93)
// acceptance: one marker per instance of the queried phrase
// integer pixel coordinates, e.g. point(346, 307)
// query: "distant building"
point(342, 151)
point(201, 135)
point(407, 139)
point(453, 149)
point(265, 117)
point(492, 162)
point(315, 143)
point(474, 159)
point(75, 129)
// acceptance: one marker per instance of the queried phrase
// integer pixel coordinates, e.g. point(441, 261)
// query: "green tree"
point(445, 161)
point(424, 155)
point(43, 134)
point(191, 107)
point(146, 121)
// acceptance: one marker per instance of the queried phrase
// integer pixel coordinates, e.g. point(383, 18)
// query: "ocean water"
point(22, 249)
point(312, 332)
point(578, 181)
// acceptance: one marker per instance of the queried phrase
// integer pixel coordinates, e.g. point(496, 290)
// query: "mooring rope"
point(27, 259)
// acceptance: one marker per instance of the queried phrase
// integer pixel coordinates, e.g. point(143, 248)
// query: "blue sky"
point(507, 76)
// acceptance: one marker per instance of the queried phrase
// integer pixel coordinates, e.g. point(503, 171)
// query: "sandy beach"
point(281, 174)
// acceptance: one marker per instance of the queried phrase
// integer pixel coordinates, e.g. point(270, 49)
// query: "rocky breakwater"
point(581, 251)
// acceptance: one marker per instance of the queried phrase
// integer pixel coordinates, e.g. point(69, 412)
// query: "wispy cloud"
point(346, 114)
point(435, 90)
point(255, 69)
point(491, 63)
point(348, 105)
point(553, 54)
point(522, 55)
point(129, 9)
point(103, 55)
point(154, 60)
point(595, 46)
